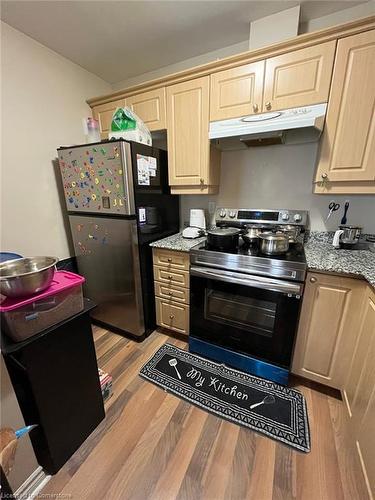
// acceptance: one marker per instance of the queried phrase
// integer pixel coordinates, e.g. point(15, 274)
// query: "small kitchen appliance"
point(197, 224)
point(346, 236)
point(244, 305)
point(197, 218)
point(118, 202)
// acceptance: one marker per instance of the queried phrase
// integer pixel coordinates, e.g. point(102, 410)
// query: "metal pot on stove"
point(274, 243)
point(252, 232)
point(291, 231)
point(223, 238)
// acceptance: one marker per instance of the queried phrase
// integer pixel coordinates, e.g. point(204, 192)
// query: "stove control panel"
point(261, 216)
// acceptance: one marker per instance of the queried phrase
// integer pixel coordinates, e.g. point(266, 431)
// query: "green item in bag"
point(123, 120)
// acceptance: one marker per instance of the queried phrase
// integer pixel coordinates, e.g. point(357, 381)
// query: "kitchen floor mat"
point(261, 405)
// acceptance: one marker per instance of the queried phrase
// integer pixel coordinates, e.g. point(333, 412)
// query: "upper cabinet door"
point(104, 112)
point(348, 144)
point(150, 107)
point(188, 122)
point(237, 92)
point(299, 78)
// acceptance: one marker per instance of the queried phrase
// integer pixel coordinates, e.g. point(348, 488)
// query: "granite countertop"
point(320, 255)
point(177, 242)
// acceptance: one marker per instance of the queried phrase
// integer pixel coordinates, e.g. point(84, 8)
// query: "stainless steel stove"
point(244, 306)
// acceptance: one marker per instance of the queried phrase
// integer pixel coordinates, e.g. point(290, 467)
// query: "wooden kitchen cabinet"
point(359, 391)
point(172, 289)
point(194, 165)
point(150, 107)
point(171, 259)
point(171, 276)
point(365, 443)
point(361, 373)
point(172, 315)
point(347, 153)
point(237, 92)
point(299, 78)
point(104, 112)
point(328, 328)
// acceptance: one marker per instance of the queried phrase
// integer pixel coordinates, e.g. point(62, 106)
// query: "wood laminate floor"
point(153, 445)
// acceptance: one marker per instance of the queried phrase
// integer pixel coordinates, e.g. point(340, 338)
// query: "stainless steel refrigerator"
point(118, 201)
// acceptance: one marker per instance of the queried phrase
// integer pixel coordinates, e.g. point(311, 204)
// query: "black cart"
point(55, 377)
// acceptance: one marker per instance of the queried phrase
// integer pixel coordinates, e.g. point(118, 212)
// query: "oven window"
point(246, 313)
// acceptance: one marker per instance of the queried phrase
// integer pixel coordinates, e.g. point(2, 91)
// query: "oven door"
point(252, 315)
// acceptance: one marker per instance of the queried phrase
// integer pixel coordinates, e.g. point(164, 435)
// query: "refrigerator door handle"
point(128, 177)
point(137, 274)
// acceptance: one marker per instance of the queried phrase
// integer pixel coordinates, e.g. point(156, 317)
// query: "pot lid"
point(273, 236)
point(224, 231)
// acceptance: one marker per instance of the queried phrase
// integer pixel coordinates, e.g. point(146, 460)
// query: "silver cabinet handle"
point(171, 316)
point(313, 280)
point(169, 259)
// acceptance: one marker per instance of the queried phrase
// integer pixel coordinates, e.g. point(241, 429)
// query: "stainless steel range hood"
point(290, 126)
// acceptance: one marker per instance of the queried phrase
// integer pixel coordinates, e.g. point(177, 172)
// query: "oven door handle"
point(250, 281)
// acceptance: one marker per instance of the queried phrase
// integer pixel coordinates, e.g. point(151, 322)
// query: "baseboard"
point(33, 484)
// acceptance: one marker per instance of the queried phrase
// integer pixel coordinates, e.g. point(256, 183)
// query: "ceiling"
point(117, 40)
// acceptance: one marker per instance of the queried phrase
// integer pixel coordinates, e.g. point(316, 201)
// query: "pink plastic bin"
point(23, 318)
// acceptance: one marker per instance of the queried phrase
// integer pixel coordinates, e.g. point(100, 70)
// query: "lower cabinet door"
point(359, 392)
point(173, 316)
point(328, 328)
point(361, 374)
point(366, 444)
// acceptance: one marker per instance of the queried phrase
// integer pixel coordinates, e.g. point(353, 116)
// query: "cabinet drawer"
point(171, 259)
point(173, 316)
point(172, 277)
point(172, 293)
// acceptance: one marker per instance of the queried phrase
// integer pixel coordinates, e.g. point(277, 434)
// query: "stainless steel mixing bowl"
point(23, 277)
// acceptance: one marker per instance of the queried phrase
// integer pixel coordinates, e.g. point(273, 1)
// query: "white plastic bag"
point(127, 125)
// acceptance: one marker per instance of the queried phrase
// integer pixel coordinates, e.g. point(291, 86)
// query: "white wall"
point(25, 462)
point(343, 16)
point(280, 177)
point(43, 103)
point(214, 55)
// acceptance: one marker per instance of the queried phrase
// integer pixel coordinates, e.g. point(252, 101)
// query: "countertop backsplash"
point(280, 177)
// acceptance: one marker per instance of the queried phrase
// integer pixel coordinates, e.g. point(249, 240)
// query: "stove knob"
point(232, 214)
point(222, 213)
point(297, 218)
point(285, 216)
